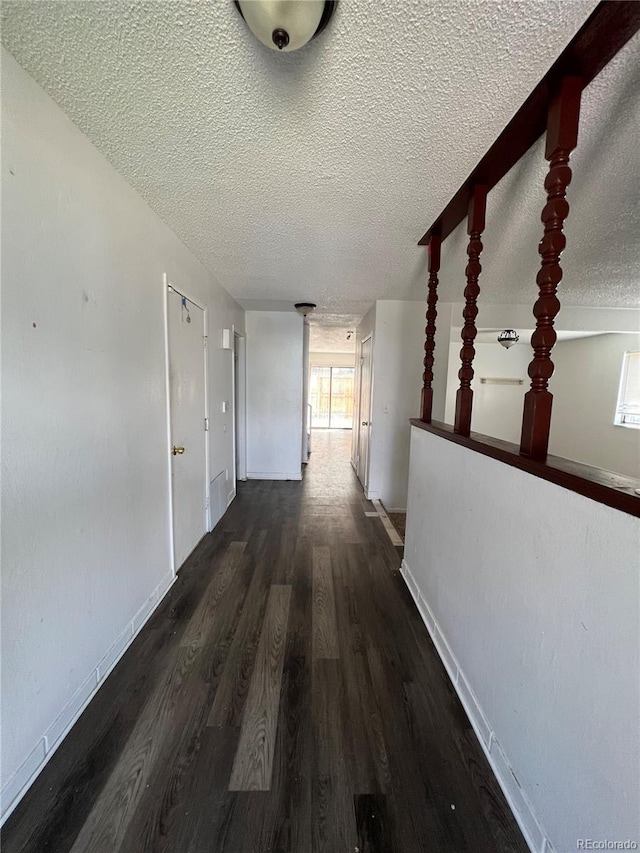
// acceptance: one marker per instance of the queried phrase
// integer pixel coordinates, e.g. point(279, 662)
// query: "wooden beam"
point(606, 487)
point(611, 25)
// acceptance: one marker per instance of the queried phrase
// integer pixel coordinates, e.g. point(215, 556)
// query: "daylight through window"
point(628, 408)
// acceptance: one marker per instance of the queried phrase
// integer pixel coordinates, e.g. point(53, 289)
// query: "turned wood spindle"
point(430, 330)
point(562, 138)
point(475, 227)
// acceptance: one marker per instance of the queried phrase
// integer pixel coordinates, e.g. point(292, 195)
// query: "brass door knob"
point(365, 423)
point(177, 451)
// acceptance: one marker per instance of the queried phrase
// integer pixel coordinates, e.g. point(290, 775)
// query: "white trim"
point(619, 414)
point(20, 782)
point(208, 526)
point(234, 413)
point(168, 286)
point(240, 416)
point(167, 389)
point(273, 475)
point(365, 481)
point(515, 796)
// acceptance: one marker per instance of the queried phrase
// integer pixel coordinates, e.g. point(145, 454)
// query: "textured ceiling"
point(308, 175)
point(331, 339)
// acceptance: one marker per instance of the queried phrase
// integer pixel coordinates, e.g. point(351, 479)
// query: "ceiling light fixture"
point(305, 308)
point(508, 338)
point(286, 24)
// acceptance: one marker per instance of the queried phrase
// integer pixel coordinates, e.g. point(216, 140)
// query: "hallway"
point(284, 697)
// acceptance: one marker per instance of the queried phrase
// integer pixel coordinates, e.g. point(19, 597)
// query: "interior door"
point(364, 411)
point(187, 417)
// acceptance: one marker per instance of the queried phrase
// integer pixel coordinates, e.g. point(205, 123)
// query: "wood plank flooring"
point(284, 698)
point(253, 764)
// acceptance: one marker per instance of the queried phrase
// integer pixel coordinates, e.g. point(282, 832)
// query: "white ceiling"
point(324, 338)
point(311, 175)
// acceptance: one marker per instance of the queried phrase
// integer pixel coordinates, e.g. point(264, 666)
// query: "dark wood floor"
point(284, 697)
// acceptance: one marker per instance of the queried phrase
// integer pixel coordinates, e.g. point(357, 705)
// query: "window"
point(331, 397)
point(628, 408)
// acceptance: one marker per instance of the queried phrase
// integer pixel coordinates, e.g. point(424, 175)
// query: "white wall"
point(497, 409)
point(585, 392)
point(274, 395)
point(531, 594)
point(574, 318)
point(397, 365)
point(85, 489)
point(332, 359)
point(398, 353)
point(444, 335)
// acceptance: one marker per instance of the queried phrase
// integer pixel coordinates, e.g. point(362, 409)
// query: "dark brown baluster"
point(475, 227)
point(430, 330)
point(562, 138)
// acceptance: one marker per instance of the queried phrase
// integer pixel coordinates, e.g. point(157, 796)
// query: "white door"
point(187, 405)
point(364, 410)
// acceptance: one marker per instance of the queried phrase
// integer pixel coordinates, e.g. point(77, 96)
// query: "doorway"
point(331, 397)
point(363, 425)
point(239, 407)
point(188, 451)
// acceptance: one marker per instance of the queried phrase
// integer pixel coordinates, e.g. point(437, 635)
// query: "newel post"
point(430, 330)
point(475, 227)
point(562, 137)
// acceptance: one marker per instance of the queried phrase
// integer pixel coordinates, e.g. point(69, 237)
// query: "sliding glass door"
point(331, 397)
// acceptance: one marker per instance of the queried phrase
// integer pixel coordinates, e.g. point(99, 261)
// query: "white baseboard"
point(372, 496)
point(231, 497)
point(515, 796)
point(271, 475)
point(401, 509)
point(20, 782)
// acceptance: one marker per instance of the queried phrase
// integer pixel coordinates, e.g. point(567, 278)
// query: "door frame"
point(365, 485)
point(331, 368)
point(169, 287)
point(239, 415)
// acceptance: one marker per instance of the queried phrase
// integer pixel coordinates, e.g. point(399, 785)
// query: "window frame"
point(623, 402)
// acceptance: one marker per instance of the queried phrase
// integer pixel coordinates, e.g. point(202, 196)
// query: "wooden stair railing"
point(554, 104)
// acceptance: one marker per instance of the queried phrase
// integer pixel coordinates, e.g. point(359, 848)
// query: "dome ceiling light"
point(305, 308)
point(508, 338)
point(286, 24)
